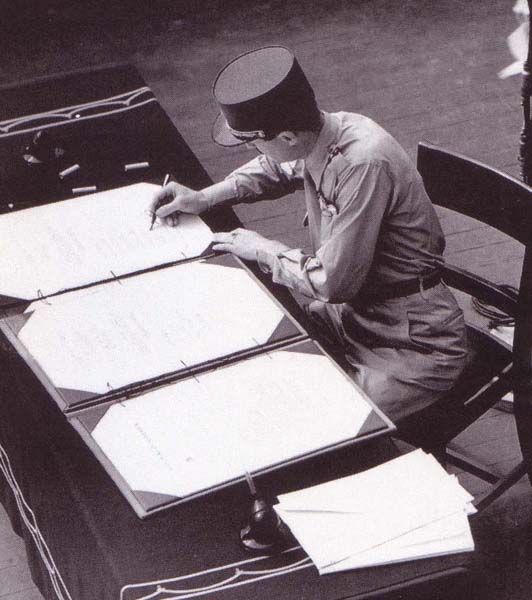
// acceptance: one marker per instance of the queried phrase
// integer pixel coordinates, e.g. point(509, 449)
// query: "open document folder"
point(90, 342)
point(64, 245)
point(204, 432)
point(405, 509)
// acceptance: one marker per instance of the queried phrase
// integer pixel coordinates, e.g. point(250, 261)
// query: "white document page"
point(356, 493)
point(118, 333)
point(336, 520)
point(204, 431)
point(449, 535)
point(85, 240)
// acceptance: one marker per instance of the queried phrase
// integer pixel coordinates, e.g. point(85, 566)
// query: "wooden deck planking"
point(15, 580)
point(464, 241)
point(12, 550)
point(496, 426)
point(497, 262)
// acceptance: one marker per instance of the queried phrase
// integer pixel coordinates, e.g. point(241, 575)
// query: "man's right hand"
point(175, 198)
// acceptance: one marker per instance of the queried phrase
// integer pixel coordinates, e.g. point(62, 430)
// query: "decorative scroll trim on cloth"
point(78, 112)
point(232, 575)
point(29, 520)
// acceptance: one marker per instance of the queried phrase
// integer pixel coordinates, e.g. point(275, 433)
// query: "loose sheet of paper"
point(123, 332)
point(396, 510)
point(447, 536)
point(85, 240)
point(201, 432)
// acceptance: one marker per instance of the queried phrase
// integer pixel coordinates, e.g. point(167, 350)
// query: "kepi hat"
point(260, 93)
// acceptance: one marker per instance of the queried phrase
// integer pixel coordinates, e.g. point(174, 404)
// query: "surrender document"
point(125, 331)
point(85, 240)
point(207, 430)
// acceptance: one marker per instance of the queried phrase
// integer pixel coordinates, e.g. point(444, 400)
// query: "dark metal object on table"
point(264, 533)
point(42, 150)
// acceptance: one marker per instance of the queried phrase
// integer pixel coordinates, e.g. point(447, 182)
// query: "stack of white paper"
point(405, 509)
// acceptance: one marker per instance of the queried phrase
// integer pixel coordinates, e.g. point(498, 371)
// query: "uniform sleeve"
point(264, 179)
point(336, 272)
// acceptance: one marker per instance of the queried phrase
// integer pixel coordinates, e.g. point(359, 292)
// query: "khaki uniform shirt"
point(371, 225)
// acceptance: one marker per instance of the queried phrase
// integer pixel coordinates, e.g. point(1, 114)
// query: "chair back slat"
point(501, 201)
point(477, 190)
point(494, 198)
point(480, 288)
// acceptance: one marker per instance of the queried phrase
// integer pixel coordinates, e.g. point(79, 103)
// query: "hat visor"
point(221, 134)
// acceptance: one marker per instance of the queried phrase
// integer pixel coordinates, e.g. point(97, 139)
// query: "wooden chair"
point(503, 202)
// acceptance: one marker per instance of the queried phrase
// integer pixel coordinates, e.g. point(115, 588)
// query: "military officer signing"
point(372, 276)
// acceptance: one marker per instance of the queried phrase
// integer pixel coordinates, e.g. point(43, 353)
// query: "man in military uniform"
point(373, 272)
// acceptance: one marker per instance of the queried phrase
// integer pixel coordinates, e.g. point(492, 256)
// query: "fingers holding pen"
point(173, 199)
point(169, 212)
point(166, 204)
point(162, 196)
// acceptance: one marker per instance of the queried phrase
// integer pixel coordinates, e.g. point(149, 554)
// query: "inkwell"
point(264, 532)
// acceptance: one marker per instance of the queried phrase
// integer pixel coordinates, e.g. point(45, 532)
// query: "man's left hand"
point(244, 243)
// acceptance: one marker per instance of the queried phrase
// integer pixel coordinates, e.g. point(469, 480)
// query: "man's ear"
point(290, 137)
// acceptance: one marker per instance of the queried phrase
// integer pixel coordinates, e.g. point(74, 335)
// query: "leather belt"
point(401, 289)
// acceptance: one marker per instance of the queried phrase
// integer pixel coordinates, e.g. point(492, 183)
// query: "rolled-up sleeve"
point(264, 179)
point(336, 272)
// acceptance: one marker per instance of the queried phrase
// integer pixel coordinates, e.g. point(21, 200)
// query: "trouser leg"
point(399, 381)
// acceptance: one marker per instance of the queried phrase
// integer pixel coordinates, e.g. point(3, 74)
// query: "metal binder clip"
point(42, 297)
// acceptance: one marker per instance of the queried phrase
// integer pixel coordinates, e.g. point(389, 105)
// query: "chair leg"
point(471, 466)
point(499, 488)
